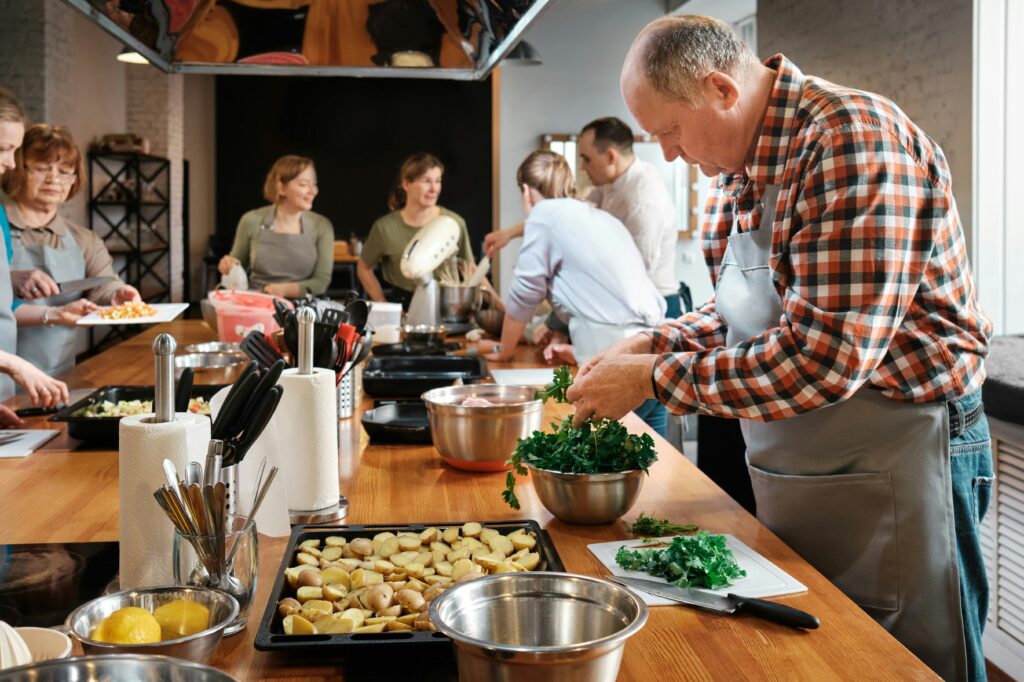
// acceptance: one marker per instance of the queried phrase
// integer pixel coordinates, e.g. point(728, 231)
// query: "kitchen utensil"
point(261, 492)
point(481, 438)
point(270, 635)
point(412, 375)
point(211, 368)
point(405, 422)
point(254, 425)
point(83, 284)
point(183, 391)
point(410, 348)
point(227, 421)
point(587, 499)
point(198, 647)
point(489, 317)
point(45, 644)
point(194, 473)
point(260, 349)
point(9, 438)
point(361, 352)
point(424, 333)
point(116, 667)
point(728, 603)
point(211, 347)
point(38, 411)
point(458, 303)
point(334, 317)
point(538, 627)
point(481, 271)
point(358, 313)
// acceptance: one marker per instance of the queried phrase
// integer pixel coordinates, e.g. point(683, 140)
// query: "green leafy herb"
point(557, 388)
point(700, 561)
point(600, 447)
point(652, 527)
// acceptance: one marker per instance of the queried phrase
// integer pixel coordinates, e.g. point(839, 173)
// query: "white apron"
point(861, 489)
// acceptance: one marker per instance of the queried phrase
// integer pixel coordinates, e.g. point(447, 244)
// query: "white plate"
point(763, 579)
point(165, 312)
point(26, 442)
point(523, 377)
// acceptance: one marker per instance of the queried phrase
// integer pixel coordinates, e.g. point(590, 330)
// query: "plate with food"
point(134, 313)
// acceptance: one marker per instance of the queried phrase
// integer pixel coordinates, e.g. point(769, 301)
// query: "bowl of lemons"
point(184, 622)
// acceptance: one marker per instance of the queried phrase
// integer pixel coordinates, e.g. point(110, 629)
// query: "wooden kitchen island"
point(67, 493)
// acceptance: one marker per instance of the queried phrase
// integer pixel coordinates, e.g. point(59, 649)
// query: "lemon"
point(130, 625)
point(181, 618)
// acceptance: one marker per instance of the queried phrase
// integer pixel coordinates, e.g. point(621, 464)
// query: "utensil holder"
point(347, 395)
point(230, 477)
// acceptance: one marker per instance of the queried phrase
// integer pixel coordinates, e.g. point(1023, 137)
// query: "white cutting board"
point(540, 376)
point(763, 579)
point(28, 441)
point(165, 312)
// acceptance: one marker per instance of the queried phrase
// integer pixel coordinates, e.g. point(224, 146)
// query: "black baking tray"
point(412, 375)
point(271, 637)
point(105, 428)
point(404, 422)
point(415, 348)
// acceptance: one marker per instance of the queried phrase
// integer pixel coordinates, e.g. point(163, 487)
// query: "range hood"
point(441, 39)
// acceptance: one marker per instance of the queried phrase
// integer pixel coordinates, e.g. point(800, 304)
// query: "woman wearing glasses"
point(48, 172)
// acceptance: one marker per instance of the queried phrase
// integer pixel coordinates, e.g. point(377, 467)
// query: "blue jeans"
point(655, 415)
point(971, 464)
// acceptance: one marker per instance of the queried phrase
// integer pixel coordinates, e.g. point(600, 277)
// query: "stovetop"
point(41, 584)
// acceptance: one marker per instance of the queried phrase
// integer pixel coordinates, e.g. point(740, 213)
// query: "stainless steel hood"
point(441, 39)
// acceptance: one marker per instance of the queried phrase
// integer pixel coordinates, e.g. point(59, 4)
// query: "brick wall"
point(915, 52)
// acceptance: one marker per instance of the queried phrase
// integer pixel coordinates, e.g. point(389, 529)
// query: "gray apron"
point(50, 348)
point(8, 327)
point(860, 489)
point(280, 257)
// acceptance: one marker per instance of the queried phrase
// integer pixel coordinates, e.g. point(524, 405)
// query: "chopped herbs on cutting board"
point(700, 561)
point(653, 527)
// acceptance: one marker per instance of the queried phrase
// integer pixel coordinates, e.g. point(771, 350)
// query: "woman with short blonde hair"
point(287, 248)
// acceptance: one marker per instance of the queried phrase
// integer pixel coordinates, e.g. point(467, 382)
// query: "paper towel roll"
point(307, 424)
point(272, 518)
point(146, 533)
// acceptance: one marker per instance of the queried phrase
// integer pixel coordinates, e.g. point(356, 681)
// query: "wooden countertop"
point(66, 493)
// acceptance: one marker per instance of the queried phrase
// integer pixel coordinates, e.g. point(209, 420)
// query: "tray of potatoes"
point(372, 584)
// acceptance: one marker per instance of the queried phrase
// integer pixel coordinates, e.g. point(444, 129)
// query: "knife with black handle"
point(777, 613)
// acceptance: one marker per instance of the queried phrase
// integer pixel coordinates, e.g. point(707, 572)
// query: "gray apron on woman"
point(860, 489)
point(8, 327)
point(50, 348)
point(280, 257)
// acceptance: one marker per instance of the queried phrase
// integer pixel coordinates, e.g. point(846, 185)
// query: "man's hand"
point(32, 284)
point(563, 353)
point(126, 294)
point(226, 263)
point(70, 313)
point(631, 345)
point(612, 387)
point(499, 239)
point(8, 418)
point(43, 390)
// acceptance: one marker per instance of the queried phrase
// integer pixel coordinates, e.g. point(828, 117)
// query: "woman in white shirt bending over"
point(582, 259)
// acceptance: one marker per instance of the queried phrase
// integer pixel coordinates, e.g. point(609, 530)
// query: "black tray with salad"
point(95, 417)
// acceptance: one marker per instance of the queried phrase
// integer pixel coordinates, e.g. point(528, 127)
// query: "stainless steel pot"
point(424, 333)
point(458, 303)
point(538, 627)
point(481, 438)
point(587, 499)
point(116, 667)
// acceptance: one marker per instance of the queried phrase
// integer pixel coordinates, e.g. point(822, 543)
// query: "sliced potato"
point(428, 535)
point(305, 594)
point(363, 578)
point(391, 546)
point(450, 535)
point(335, 592)
point(380, 619)
point(361, 547)
point(408, 544)
point(522, 541)
point(461, 567)
point(471, 529)
point(311, 542)
point(395, 626)
point(332, 553)
point(486, 534)
point(408, 618)
point(379, 627)
point(336, 576)
point(297, 625)
point(355, 616)
point(335, 541)
point(307, 559)
point(338, 626)
point(529, 561)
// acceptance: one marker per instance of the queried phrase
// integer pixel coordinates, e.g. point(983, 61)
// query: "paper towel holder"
point(329, 514)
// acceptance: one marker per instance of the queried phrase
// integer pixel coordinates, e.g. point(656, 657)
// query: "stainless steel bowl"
point(424, 333)
point(490, 320)
point(211, 368)
point(115, 667)
point(538, 627)
point(587, 499)
point(458, 303)
point(198, 647)
point(481, 438)
point(211, 347)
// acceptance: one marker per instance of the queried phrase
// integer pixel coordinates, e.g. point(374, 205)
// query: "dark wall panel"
point(357, 131)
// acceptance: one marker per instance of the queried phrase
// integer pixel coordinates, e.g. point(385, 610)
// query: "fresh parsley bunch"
point(700, 561)
point(652, 527)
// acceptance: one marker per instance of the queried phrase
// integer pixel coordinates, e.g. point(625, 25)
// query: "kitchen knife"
point(730, 603)
point(83, 284)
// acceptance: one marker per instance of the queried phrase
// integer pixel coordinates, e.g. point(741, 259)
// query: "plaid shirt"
point(868, 258)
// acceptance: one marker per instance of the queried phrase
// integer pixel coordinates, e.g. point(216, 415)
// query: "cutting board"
point(523, 377)
point(27, 442)
point(763, 579)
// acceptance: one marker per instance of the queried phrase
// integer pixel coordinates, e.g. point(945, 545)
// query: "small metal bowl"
point(199, 647)
point(116, 667)
point(211, 368)
point(587, 499)
point(538, 626)
point(424, 333)
point(211, 347)
point(481, 438)
point(490, 320)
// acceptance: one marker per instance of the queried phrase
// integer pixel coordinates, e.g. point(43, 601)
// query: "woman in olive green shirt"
point(287, 249)
point(413, 204)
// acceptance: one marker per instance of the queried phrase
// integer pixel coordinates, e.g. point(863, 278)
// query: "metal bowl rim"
point(237, 358)
point(585, 477)
point(625, 633)
point(100, 658)
point(217, 594)
point(430, 399)
point(230, 347)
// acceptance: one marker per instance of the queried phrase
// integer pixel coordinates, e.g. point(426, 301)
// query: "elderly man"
point(845, 332)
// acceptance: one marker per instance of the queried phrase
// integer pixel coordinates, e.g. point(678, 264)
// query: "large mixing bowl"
point(115, 667)
point(211, 368)
point(587, 499)
point(538, 627)
point(458, 303)
point(481, 438)
point(199, 647)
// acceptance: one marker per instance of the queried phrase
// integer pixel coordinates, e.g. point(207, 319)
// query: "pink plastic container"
point(240, 312)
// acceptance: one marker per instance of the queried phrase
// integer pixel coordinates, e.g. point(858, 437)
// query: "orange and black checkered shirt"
point(868, 257)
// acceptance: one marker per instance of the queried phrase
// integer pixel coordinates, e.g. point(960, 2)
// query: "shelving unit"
point(129, 208)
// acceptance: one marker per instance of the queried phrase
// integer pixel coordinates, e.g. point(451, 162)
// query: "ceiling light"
point(130, 56)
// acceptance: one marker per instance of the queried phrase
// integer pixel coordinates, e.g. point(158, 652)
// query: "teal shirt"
point(6, 227)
